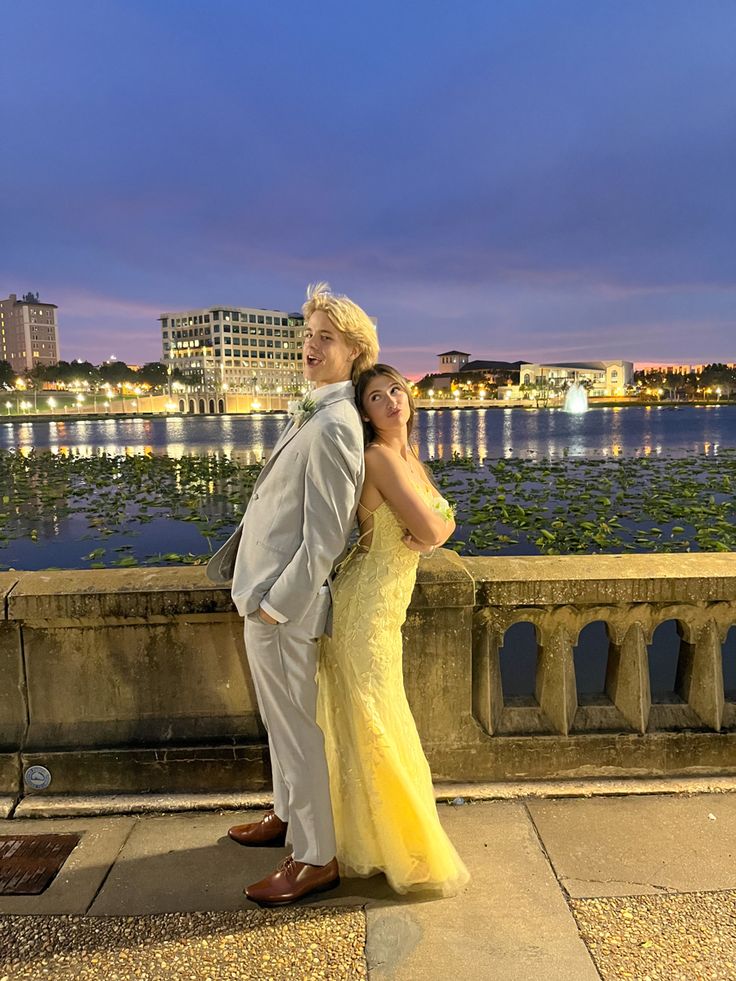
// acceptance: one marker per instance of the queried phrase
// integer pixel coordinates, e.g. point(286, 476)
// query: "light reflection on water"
point(439, 433)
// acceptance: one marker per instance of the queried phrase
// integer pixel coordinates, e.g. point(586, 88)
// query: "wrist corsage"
point(443, 508)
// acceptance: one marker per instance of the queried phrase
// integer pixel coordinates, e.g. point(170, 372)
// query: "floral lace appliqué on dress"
point(380, 783)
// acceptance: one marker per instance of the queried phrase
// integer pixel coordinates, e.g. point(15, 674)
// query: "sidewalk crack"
point(104, 879)
point(563, 889)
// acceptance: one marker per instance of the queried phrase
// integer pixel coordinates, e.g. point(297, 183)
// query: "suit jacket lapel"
point(290, 431)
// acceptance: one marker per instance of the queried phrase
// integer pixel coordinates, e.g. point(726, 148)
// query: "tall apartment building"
point(28, 332)
point(244, 348)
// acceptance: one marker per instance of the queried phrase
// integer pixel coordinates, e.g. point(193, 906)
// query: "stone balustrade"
point(135, 680)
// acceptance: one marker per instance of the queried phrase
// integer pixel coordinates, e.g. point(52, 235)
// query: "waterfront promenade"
point(570, 882)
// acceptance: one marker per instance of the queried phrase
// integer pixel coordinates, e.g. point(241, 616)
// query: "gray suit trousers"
point(283, 661)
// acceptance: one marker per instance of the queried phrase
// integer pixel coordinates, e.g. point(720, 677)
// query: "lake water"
point(59, 515)
point(440, 433)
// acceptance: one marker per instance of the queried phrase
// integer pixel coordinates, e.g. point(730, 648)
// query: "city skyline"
point(551, 183)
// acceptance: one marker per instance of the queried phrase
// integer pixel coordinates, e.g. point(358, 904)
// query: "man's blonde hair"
point(350, 319)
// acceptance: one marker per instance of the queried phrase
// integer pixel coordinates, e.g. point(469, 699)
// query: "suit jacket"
point(300, 513)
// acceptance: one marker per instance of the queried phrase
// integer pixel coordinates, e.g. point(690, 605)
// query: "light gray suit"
point(296, 526)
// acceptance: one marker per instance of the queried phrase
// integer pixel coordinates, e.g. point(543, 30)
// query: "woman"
point(380, 783)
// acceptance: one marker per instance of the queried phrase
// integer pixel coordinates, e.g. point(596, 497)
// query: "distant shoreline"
point(421, 404)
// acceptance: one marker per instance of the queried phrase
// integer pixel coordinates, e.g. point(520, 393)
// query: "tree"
point(7, 375)
point(717, 376)
point(154, 374)
point(424, 384)
point(37, 375)
point(540, 390)
point(116, 372)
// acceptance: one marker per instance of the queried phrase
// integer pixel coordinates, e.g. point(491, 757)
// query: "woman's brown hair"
point(365, 377)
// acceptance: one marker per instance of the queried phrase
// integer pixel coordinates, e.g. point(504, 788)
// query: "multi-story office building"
point(28, 332)
point(237, 349)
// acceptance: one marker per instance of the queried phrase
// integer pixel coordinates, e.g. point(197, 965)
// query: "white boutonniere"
point(301, 409)
point(443, 508)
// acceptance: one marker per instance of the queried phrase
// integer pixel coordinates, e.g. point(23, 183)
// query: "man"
point(296, 526)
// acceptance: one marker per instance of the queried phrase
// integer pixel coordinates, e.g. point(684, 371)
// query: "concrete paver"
point(76, 885)
point(510, 922)
point(182, 863)
point(639, 845)
point(186, 863)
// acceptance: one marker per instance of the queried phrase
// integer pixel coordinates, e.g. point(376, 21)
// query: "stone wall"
point(135, 680)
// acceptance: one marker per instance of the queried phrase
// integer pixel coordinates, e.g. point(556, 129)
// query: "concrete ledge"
point(91, 594)
point(79, 805)
point(583, 757)
point(559, 579)
point(146, 593)
point(166, 770)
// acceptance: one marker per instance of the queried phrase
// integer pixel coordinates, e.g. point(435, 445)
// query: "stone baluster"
point(627, 677)
point(555, 686)
point(700, 674)
point(487, 689)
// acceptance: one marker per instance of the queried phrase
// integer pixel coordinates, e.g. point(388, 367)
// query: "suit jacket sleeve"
point(331, 489)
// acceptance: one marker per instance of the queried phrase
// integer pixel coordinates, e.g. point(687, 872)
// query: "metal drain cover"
point(29, 863)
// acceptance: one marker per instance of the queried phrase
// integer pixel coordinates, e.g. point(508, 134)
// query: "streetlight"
point(80, 401)
point(52, 404)
point(8, 406)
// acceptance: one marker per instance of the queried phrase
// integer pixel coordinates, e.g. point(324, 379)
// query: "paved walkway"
point(572, 889)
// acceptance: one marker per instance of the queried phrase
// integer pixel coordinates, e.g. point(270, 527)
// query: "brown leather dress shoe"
point(269, 831)
point(293, 880)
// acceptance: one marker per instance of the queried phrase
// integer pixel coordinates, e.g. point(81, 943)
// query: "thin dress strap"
point(358, 544)
point(368, 511)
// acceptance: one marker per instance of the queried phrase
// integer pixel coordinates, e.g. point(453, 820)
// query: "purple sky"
point(537, 180)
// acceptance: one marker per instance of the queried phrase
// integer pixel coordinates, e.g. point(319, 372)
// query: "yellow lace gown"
point(380, 783)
